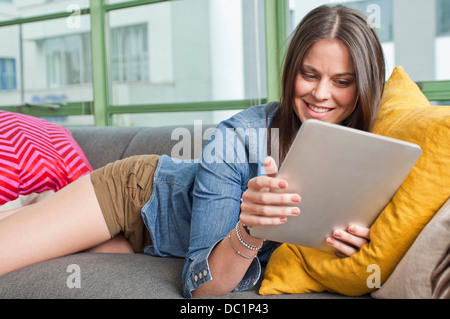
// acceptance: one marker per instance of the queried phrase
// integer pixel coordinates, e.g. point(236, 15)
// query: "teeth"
point(318, 109)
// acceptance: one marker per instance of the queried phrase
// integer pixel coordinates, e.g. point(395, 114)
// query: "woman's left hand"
point(349, 241)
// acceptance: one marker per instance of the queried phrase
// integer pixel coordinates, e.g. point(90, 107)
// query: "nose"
point(321, 91)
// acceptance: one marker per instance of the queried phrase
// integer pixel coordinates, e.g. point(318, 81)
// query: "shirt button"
point(196, 278)
point(205, 273)
point(200, 275)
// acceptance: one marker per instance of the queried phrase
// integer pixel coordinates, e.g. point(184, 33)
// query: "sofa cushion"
point(91, 275)
point(424, 272)
point(36, 156)
point(406, 115)
point(111, 276)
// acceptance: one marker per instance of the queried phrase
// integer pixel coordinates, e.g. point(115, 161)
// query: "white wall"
point(159, 20)
point(442, 67)
point(227, 55)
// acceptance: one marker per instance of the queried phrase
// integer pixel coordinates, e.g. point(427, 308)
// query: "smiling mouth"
point(318, 109)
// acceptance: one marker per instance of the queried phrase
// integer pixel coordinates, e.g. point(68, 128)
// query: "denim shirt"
point(196, 203)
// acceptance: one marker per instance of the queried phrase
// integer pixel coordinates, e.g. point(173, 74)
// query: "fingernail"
point(283, 219)
point(296, 211)
point(337, 233)
point(351, 228)
point(295, 198)
point(329, 241)
point(282, 184)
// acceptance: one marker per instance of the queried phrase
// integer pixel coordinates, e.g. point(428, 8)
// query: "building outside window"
point(129, 54)
point(443, 17)
point(174, 53)
point(67, 60)
point(8, 74)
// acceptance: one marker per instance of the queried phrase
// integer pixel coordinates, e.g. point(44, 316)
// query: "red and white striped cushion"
point(36, 156)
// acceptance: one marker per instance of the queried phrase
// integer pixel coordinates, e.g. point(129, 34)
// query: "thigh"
point(117, 245)
point(67, 222)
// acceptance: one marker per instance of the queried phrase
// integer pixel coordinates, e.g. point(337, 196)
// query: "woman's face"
point(326, 88)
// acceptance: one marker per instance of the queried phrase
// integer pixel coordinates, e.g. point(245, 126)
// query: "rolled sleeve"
point(251, 276)
point(196, 272)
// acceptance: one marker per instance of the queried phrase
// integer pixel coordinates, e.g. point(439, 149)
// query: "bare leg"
point(67, 222)
point(6, 213)
point(119, 245)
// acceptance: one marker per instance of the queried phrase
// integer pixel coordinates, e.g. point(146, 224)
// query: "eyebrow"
point(338, 74)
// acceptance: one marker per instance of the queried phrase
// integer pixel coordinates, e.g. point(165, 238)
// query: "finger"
point(254, 220)
point(267, 198)
point(268, 210)
point(359, 231)
point(343, 248)
point(271, 167)
point(348, 238)
point(266, 182)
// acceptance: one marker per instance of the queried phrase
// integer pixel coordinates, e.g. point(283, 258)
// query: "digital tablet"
point(344, 176)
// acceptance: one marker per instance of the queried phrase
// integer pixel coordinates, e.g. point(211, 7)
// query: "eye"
point(308, 76)
point(342, 83)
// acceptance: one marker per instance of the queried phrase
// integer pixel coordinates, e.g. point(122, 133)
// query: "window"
point(191, 52)
point(187, 51)
point(201, 58)
point(67, 60)
point(129, 54)
point(57, 68)
point(443, 17)
point(147, 62)
point(7, 74)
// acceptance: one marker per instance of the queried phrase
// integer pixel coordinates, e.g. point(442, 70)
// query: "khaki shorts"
point(122, 189)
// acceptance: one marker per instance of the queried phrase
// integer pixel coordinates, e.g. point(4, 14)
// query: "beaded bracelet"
point(243, 242)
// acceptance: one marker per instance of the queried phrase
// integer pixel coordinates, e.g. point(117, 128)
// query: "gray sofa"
point(114, 275)
point(422, 273)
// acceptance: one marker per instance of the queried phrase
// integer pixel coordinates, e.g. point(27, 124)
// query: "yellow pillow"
point(405, 114)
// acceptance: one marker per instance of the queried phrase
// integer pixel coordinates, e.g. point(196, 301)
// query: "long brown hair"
point(352, 28)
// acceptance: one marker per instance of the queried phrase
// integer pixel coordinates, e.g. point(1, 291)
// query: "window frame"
point(276, 35)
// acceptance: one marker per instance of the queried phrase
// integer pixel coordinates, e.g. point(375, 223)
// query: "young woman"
point(200, 210)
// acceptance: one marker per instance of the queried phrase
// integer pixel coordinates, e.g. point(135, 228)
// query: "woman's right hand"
point(260, 206)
